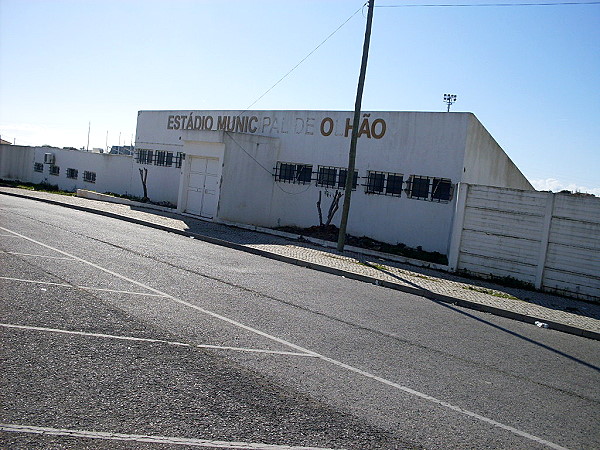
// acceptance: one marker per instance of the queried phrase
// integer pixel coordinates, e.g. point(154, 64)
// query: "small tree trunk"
point(335, 204)
point(144, 177)
point(319, 210)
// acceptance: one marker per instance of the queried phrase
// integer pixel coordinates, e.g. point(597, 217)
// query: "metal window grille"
point(327, 176)
point(441, 190)
point(90, 177)
point(342, 179)
point(303, 173)
point(72, 173)
point(169, 159)
point(179, 159)
point(375, 182)
point(38, 167)
point(393, 184)
point(54, 170)
point(286, 172)
point(419, 187)
point(144, 156)
point(293, 173)
point(160, 158)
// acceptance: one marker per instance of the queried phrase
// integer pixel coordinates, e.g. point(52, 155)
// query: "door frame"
point(196, 149)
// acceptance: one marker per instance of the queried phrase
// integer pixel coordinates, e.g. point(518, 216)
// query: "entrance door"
point(202, 190)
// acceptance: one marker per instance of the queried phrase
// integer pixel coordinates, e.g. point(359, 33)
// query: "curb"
point(326, 269)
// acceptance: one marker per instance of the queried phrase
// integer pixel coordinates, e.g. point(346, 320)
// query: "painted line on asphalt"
point(38, 256)
point(86, 288)
point(153, 341)
point(304, 350)
point(47, 431)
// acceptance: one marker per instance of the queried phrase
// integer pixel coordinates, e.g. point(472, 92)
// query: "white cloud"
point(554, 185)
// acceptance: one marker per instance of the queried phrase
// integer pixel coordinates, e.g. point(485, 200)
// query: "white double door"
point(203, 187)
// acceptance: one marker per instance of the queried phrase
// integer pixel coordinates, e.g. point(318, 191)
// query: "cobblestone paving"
point(540, 306)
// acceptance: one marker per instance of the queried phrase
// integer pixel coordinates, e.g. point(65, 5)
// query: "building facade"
point(269, 168)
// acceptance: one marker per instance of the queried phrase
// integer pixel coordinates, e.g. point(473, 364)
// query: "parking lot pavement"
point(556, 312)
point(80, 372)
point(117, 331)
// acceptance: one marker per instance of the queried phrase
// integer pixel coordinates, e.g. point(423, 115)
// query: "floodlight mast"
point(449, 99)
point(355, 126)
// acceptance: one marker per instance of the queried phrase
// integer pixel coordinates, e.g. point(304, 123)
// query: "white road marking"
point(47, 431)
point(86, 288)
point(159, 341)
point(38, 256)
point(302, 349)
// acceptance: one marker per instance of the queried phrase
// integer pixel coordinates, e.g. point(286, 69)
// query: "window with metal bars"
point(334, 177)
point(327, 176)
point(384, 183)
point(419, 187)
point(342, 179)
point(293, 173)
point(54, 170)
point(38, 167)
point(144, 156)
point(441, 190)
point(90, 177)
point(179, 159)
point(393, 185)
point(160, 158)
point(430, 188)
point(72, 173)
point(375, 182)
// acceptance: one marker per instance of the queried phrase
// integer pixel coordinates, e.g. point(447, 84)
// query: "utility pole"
point(355, 125)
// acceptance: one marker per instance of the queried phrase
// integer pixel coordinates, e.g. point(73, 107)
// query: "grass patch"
point(507, 281)
point(141, 200)
point(41, 187)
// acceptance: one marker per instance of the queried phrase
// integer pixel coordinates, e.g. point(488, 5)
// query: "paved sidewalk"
point(559, 313)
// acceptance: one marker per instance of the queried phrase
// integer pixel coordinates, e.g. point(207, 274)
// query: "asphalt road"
point(119, 336)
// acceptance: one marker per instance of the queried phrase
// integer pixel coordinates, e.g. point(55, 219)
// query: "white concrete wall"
point(113, 172)
point(247, 185)
point(16, 162)
point(426, 144)
point(162, 182)
point(486, 163)
point(551, 241)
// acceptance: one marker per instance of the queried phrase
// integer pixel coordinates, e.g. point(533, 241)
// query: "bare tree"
point(144, 177)
point(335, 204)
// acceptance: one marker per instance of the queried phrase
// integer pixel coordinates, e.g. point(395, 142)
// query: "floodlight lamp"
point(449, 99)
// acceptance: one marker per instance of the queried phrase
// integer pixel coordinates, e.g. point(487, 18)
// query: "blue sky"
point(531, 74)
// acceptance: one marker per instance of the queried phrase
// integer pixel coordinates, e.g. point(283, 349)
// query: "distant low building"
point(122, 150)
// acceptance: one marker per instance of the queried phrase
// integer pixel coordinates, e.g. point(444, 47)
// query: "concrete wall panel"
point(549, 240)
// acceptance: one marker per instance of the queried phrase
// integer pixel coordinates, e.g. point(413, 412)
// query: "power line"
point(469, 5)
point(304, 59)
point(263, 167)
point(279, 81)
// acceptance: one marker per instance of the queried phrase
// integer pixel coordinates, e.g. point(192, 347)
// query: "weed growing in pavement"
point(490, 292)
